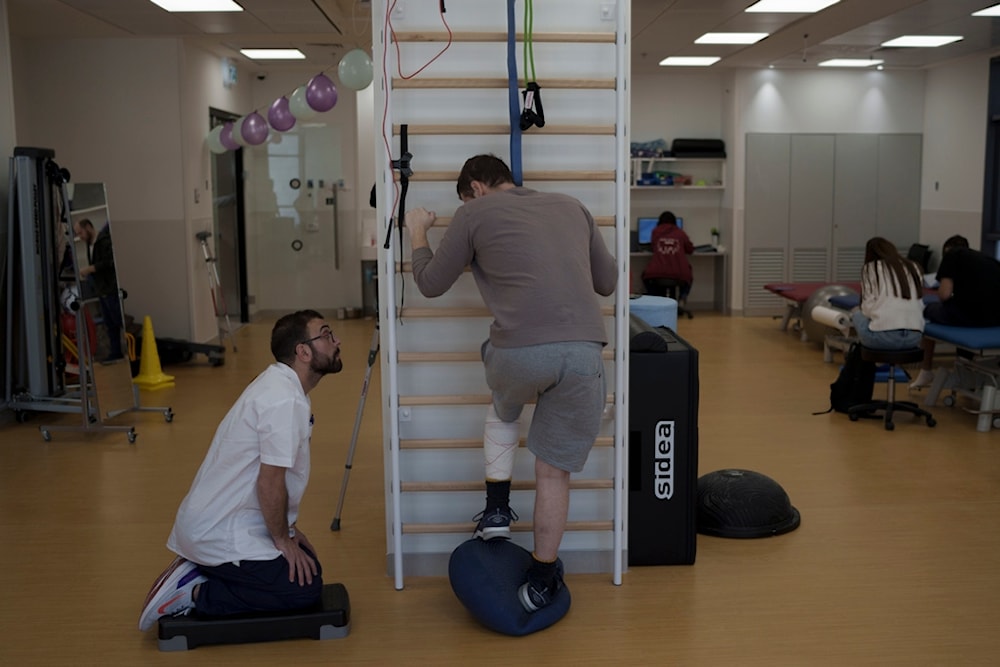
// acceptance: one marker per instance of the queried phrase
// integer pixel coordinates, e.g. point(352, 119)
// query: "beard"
point(325, 365)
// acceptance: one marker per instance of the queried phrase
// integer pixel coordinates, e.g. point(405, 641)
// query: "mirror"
point(100, 295)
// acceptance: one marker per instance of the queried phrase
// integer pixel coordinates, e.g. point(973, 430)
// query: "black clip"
point(403, 164)
point(532, 101)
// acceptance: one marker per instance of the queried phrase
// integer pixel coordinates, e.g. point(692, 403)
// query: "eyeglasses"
point(328, 334)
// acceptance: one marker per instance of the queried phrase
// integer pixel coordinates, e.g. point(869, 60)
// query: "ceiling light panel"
point(851, 62)
point(273, 54)
point(731, 38)
point(689, 61)
point(989, 11)
point(198, 5)
point(791, 6)
point(925, 41)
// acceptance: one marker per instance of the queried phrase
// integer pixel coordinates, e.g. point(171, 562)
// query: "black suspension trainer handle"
point(403, 165)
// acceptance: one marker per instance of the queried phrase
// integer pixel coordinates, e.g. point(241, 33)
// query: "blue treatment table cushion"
point(971, 338)
point(485, 576)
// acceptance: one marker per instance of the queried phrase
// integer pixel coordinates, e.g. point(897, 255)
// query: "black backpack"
point(855, 384)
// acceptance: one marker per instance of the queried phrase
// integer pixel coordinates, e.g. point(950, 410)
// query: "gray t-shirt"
point(538, 259)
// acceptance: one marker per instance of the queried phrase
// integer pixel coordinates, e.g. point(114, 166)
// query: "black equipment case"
point(663, 447)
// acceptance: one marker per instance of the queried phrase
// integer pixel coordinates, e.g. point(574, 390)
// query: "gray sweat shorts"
point(566, 383)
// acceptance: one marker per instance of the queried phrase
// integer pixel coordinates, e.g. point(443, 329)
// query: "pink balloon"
point(321, 94)
point(226, 137)
point(254, 129)
point(280, 116)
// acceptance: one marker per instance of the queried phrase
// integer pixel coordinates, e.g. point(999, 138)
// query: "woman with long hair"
point(891, 314)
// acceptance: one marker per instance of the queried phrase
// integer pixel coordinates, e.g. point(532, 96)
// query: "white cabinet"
point(678, 172)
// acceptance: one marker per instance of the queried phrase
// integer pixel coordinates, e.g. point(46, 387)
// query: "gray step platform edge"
point(331, 619)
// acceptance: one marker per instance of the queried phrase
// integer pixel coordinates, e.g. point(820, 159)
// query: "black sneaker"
point(494, 523)
point(535, 595)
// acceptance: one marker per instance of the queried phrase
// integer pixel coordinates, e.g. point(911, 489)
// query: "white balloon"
point(238, 131)
point(214, 140)
point(299, 106)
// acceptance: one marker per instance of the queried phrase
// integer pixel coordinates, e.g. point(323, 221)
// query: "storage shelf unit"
point(704, 173)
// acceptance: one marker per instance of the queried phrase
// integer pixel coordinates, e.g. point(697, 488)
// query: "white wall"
point(955, 152)
point(7, 143)
point(111, 111)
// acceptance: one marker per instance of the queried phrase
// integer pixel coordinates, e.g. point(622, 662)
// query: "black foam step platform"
point(329, 619)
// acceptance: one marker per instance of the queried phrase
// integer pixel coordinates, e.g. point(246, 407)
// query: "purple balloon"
point(280, 116)
point(321, 94)
point(226, 137)
point(254, 129)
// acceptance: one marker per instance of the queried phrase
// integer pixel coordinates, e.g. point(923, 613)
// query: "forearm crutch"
point(372, 354)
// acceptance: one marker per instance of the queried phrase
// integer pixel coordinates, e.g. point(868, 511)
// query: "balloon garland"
point(317, 96)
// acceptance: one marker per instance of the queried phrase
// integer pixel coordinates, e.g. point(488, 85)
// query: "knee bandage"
point(500, 440)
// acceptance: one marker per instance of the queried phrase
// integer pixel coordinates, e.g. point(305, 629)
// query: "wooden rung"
point(515, 485)
point(477, 443)
point(472, 82)
point(496, 36)
point(546, 175)
point(504, 128)
point(464, 312)
point(517, 527)
point(601, 220)
point(443, 312)
point(472, 355)
point(463, 399)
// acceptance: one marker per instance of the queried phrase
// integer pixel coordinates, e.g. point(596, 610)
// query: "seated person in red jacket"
point(670, 246)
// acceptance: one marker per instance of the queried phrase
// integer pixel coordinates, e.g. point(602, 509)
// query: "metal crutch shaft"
point(215, 286)
point(372, 354)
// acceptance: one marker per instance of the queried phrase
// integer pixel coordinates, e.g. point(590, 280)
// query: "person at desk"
point(891, 314)
point(670, 247)
point(969, 296)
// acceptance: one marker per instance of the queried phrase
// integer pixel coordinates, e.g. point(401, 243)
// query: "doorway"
point(229, 226)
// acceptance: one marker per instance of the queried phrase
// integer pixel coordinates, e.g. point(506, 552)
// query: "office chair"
point(667, 287)
point(890, 404)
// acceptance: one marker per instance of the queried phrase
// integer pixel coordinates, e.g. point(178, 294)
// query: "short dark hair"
point(956, 241)
point(667, 217)
point(487, 169)
point(288, 332)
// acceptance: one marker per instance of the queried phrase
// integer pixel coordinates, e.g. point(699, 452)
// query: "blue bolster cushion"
point(485, 576)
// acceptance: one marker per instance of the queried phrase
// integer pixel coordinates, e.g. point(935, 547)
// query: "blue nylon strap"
point(513, 95)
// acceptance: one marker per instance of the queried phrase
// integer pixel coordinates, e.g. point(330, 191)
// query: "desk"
point(710, 286)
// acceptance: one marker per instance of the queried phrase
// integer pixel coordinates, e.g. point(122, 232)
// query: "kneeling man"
point(237, 546)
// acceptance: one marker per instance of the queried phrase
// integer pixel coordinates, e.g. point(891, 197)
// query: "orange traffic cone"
point(151, 375)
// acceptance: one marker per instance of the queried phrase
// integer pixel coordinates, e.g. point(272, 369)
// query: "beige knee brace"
point(500, 440)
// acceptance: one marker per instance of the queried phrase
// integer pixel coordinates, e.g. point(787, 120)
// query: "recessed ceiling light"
point(923, 40)
point(273, 54)
point(689, 61)
point(989, 11)
point(198, 5)
point(850, 62)
point(731, 38)
point(791, 6)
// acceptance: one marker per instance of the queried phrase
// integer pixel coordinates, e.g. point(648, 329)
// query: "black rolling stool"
point(667, 287)
point(893, 358)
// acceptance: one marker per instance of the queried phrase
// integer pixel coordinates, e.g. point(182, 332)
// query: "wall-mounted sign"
point(229, 73)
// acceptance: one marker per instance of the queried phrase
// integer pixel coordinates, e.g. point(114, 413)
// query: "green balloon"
point(355, 70)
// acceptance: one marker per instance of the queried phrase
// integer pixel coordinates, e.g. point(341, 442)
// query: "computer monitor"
point(645, 228)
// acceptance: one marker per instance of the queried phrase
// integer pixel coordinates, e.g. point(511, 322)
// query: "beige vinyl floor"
point(896, 562)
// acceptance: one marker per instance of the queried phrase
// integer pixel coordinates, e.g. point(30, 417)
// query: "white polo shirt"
point(220, 520)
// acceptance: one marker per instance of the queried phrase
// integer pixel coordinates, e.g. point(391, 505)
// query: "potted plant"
point(715, 236)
